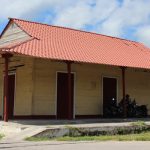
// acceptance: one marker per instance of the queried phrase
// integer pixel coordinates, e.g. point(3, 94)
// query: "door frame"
point(9, 73)
point(114, 77)
point(74, 90)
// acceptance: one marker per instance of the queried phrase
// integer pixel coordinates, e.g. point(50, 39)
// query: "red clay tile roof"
point(59, 43)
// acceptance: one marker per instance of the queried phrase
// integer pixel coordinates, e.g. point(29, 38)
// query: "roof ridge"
point(74, 29)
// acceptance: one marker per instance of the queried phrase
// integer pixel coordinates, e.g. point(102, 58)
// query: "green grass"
point(145, 136)
point(38, 139)
point(139, 123)
point(1, 136)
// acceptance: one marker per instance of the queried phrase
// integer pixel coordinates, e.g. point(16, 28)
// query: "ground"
point(75, 145)
point(16, 131)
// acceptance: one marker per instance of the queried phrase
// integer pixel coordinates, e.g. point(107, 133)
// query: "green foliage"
point(145, 136)
point(133, 109)
point(1, 136)
point(139, 123)
point(37, 139)
point(135, 131)
point(137, 127)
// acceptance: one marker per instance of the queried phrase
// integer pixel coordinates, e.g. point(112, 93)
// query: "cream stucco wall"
point(88, 86)
point(36, 86)
point(138, 86)
point(88, 83)
point(44, 99)
point(24, 85)
point(24, 88)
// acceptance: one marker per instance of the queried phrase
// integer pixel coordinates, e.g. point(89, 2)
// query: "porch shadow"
point(101, 121)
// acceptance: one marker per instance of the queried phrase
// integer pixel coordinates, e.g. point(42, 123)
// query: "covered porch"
point(46, 89)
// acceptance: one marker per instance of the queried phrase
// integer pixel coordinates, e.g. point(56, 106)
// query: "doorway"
point(109, 93)
point(11, 95)
point(62, 95)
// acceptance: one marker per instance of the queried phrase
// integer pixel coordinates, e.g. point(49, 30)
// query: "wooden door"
point(11, 94)
point(62, 95)
point(109, 92)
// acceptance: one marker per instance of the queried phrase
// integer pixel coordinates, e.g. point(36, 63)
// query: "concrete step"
point(22, 134)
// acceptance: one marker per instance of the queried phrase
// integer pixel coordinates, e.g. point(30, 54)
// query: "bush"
point(133, 109)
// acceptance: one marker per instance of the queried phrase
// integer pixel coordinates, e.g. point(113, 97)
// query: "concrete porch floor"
point(100, 121)
point(16, 130)
point(22, 124)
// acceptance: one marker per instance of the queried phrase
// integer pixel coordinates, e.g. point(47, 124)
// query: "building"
point(61, 73)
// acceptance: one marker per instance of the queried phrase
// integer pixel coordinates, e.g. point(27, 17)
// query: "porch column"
point(124, 91)
point(6, 84)
point(69, 90)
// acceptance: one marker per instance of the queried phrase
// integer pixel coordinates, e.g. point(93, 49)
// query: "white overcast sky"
point(122, 18)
